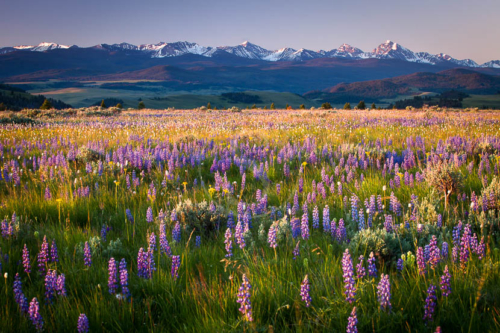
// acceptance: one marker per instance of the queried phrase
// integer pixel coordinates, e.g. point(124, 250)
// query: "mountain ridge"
point(386, 50)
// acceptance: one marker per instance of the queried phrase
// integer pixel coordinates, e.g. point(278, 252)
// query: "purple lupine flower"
point(164, 245)
point(430, 303)
point(361, 220)
point(278, 189)
point(238, 234)
point(173, 215)
point(34, 314)
point(129, 215)
point(176, 233)
point(112, 281)
point(61, 285)
point(244, 299)
point(142, 264)
point(360, 268)
point(421, 261)
point(48, 195)
point(43, 256)
point(440, 221)
point(427, 254)
point(82, 325)
point(149, 215)
point(50, 285)
point(54, 256)
point(388, 224)
point(435, 255)
point(333, 229)
point(197, 241)
point(341, 232)
point(352, 322)
point(150, 263)
point(384, 292)
point(304, 227)
point(230, 220)
point(326, 220)
point(296, 251)
point(21, 300)
point(315, 218)
point(444, 250)
point(176, 263)
point(26, 260)
point(104, 232)
point(465, 247)
point(480, 249)
point(152, 242)
point(350, 288)
point(454, 253)
point(229, 243)
point(87, 255)
point(372, 267)
point(271, 237)
point(305, 292)
point(446, 282)
point(243, 181)
point(124, 278)
point(400, 265)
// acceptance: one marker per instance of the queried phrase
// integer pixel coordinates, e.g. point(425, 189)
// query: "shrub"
point(235, 109)
point(326, 106)
point(199, 216)
point(46, 105)
point(445, 178)
point(88, 155)
point(386, 246)
point(141, 105)
point(347, 106)
point(361, 105)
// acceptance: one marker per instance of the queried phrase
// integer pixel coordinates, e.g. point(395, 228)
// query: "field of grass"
point(153, 221)
point(84, 94)
point(481, 101)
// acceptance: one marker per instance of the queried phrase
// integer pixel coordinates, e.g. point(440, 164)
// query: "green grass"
point(203, 298)
point(481, 101)
point(91, 93)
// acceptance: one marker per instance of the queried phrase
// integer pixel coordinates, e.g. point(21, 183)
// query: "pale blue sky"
point(461, 28)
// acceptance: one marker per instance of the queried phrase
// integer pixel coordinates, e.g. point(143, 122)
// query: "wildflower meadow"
point(253, 221)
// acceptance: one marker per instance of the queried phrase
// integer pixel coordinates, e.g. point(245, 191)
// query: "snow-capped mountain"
point(387, 50)
point(492, 64)
point(42, 47)
point(465, 62)
point(247, 50)
point(162, 50)
point(391, 50)
point(117, 47)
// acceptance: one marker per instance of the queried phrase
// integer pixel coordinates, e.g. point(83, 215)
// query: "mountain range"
point(387, 50)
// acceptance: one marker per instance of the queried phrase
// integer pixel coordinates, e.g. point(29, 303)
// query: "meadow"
point(253, 221)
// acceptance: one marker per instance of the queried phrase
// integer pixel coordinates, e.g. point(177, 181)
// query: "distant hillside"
point(16, 99)
point(458, 79)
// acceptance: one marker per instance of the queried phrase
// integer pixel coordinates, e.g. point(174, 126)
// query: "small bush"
point(199, 216)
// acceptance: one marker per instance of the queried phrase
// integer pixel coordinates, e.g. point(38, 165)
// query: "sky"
point(460, 28)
